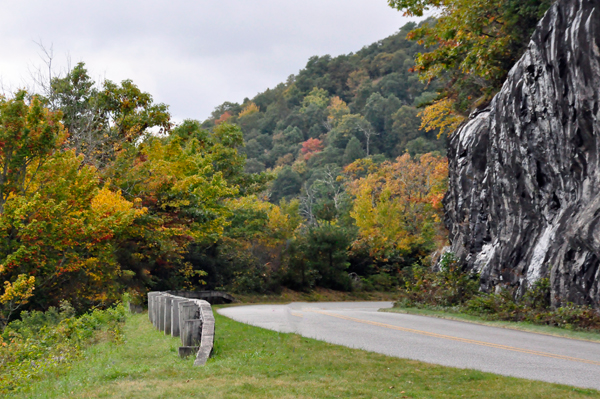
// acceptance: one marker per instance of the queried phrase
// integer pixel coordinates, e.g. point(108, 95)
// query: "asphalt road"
point(433, 340)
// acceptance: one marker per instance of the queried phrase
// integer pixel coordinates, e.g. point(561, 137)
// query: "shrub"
point(450, 286)
point(45, 342)
point(534, 307)
point(538, 295)
point(494, 306)
point(572, 317)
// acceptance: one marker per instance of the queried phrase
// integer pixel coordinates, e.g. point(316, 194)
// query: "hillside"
point(334, 111)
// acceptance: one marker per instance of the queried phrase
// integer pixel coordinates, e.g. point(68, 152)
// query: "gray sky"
point(191, 55)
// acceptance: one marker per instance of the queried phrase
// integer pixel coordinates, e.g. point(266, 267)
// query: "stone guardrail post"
point(191, 319)
point(161, 312)
point(151, 305)
point(175, 315)
point(208, 334)
point(155, 310)
point(188, 311)
point(192, 332)
point(167, 316)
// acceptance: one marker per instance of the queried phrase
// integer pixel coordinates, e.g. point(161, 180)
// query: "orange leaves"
point(226, 115)
point(311, 147)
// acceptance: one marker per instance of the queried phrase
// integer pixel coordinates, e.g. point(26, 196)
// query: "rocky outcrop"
point(524, 189)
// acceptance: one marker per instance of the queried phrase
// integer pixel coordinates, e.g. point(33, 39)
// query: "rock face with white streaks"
point(524, 189)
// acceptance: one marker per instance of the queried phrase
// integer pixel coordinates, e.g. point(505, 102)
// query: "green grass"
point(250, 362)
point(522, 326)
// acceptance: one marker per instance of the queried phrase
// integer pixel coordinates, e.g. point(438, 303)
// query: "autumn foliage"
point(223, 118)
point(398, 205)
point(311, 147)
point(59, 225)
point(471, 47)
point(93, 207)
point(101, 194)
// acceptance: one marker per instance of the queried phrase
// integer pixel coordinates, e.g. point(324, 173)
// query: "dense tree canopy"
point(369, 98)
point(398, 206)
point(93, 202)
point(325, 180)
point(472, 45)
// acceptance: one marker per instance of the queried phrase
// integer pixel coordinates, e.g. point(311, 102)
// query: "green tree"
point(286, 185)
point(353, 151)
point(58, 226)
point(473, 44)
point(405, 128)
point(185, 181)
point(29, 134)
point(101, 118)
point(326, 252)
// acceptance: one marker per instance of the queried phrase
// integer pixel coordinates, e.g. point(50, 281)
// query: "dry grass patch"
point(317, 295)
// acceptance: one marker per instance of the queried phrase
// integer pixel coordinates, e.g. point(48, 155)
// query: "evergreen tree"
point(353, 151)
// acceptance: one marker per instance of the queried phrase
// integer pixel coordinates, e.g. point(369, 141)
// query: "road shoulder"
point(520, 326)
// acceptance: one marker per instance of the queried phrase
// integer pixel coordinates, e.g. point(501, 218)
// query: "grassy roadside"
point(522, 326)
point(258, 363)
point(317, 295)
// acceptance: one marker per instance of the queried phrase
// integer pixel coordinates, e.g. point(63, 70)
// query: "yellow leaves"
point(107, 202)
point(250, 202)
point(281, 225)
point(19, 291)
point(249, 109)
point(111, 213)
point(397, 205)
point(441, 115)
point(337, 109)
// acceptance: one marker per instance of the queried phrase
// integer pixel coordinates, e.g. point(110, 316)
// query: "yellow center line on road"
point(465, 340)
point(296, 314)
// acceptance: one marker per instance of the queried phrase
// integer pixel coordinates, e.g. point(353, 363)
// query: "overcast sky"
point(191, 55)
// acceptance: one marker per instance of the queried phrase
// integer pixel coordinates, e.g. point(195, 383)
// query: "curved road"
point(433, 340)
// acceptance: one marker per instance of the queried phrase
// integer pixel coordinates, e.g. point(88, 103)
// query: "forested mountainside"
point(299, 187)
point(326, 181)
point(334, 111)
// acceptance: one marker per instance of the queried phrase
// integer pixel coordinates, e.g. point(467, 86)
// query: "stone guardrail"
point(212, 297)
point(188, 318)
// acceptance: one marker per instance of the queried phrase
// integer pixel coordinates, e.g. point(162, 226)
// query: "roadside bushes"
point(452, 288)
point(45, 342)
point(533, 307)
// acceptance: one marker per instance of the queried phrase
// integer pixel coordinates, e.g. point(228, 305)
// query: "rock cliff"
point(524, 185)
